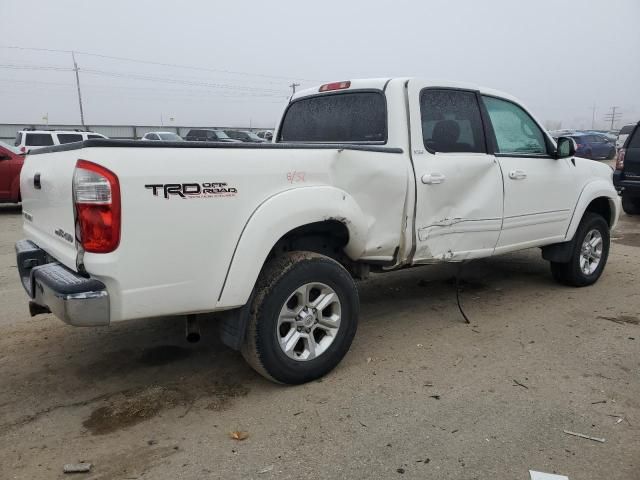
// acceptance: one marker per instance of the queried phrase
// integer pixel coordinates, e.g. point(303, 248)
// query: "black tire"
point(277, 282)
point(612, 154)
point(570, 273)
point(630, 205)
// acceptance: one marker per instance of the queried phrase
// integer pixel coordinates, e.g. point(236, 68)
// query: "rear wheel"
point(589, 255)
point(303, 318)
point(630, 205)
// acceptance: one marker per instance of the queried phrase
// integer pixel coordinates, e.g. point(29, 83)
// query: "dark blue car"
point(594, 146)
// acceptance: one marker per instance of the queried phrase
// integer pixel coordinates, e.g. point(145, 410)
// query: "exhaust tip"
point(193, 337)
point(193, 329)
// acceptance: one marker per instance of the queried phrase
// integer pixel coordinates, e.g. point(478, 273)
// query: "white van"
point(29, 139)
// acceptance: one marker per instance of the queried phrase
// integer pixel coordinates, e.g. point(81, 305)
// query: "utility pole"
point(593, 117)
point(76, 69)
point(613, 116)
point(293, 88)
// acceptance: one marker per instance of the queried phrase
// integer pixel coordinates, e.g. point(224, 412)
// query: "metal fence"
point(128, 132)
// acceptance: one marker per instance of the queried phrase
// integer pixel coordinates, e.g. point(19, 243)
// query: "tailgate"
point(47, 203)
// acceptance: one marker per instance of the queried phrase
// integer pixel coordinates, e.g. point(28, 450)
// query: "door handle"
point(517, 174)
point(433, 178)
point(36, 181)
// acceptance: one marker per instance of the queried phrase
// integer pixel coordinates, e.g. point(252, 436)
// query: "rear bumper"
point(624, 185)
point(52, 287)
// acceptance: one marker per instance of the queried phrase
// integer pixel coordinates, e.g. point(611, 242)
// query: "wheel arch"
point(598, 197)
point(296, 213)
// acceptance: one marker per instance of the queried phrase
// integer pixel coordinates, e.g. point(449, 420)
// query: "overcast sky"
point(559, 57)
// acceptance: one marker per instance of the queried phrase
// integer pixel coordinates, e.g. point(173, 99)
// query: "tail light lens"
point(620, 160)
point(96, 193)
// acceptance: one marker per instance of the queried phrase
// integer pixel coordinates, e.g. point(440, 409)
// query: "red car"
point(10, 165)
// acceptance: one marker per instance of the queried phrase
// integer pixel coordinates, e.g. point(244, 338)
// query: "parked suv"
point(10, 165)
point(626, 177)
point(30, 139)
point(208, 135)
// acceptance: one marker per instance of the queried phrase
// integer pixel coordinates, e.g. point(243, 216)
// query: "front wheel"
point(589, 255)
point(303, 318)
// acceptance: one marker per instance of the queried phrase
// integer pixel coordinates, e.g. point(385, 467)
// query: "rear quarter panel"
point(175, 252)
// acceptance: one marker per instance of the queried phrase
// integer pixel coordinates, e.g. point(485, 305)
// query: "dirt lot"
point(420, 395)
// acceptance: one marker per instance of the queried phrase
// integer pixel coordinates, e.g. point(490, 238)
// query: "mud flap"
point(558, 252)
point(232, 325)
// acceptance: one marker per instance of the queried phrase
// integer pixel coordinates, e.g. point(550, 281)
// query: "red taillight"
point(327, 87)
point(620, 160)
point(23, 149)
point(96, 193)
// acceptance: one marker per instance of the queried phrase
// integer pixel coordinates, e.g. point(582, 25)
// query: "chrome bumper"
point(52, 287)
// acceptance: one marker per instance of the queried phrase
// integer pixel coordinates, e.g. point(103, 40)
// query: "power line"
point(152, 78)
point(176, 81)
point(155, 89)
point(613, 116)
point(36, 67)
point(161, 64)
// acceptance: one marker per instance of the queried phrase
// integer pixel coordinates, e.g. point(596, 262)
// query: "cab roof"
point(382, 83)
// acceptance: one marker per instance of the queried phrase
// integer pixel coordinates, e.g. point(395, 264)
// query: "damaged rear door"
point(459, 186)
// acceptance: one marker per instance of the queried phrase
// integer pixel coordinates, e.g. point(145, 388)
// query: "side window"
point(152, 136)
point(38, 140)
point(69, 137)
point(515, 130)
point(451, 121)
point(95, 136)
point(18, 139)
point(634, 141)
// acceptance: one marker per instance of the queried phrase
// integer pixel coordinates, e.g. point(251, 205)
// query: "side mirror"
point(566, 148)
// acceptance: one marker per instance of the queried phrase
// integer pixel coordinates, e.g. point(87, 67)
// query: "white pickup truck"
point(363, 175)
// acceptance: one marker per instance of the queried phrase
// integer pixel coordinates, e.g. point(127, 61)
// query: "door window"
point(69, 137)
point(451, 121)
point(38, 140)
point(515, 131)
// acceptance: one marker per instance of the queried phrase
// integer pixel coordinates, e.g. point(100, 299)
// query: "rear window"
point(358, 117)
point(39, 140)
point(626, 130)
point(69, 137)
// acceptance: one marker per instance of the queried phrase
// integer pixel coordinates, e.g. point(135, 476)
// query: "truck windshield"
point(354, 117)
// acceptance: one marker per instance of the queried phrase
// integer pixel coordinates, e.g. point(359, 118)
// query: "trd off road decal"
point(192, 190)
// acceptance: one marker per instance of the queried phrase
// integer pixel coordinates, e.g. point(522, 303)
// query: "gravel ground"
point(420, 395)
